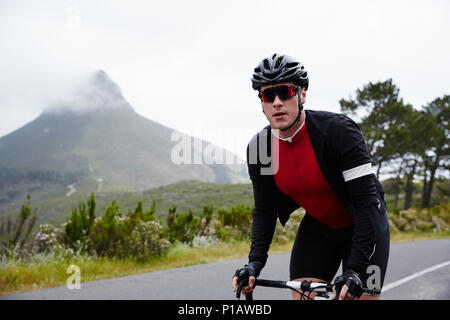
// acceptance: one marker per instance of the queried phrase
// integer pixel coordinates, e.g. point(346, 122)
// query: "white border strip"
point(413, 276)
point(357, 172)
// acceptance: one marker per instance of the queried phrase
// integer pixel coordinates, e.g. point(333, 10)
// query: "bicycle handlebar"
point(296, 285)
point(304, 286)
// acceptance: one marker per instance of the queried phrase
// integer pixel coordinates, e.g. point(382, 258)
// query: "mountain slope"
point(98, 141)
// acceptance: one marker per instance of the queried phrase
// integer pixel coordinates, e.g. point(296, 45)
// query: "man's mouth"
point(278, 114)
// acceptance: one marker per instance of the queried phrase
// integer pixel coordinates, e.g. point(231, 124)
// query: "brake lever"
point(241, 283)
point(239, 288)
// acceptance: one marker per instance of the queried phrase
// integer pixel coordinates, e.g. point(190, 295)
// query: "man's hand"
point(248, 273)
point(246, 289)
point(349, 285)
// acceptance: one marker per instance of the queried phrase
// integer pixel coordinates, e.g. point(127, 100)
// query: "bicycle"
point(324, 291)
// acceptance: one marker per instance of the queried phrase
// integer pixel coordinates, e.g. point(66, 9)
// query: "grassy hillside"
point(185, 195)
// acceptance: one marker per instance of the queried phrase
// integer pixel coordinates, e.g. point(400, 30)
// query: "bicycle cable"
point(303, 296)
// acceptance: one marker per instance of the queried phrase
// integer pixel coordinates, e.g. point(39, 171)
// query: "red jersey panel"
point(299, 176)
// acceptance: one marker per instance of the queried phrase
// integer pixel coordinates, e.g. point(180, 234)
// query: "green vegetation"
point(185, 195)
point(12, 238)
point(116, 244)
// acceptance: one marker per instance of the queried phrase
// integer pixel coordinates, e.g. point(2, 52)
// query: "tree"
point(419, 129)
point(382, 113)
point(438, 153)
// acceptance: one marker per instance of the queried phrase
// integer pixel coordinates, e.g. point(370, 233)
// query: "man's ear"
point(262, 107)
point(303, 95)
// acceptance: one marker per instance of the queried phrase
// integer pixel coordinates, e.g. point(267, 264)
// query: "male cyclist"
point(317, 160)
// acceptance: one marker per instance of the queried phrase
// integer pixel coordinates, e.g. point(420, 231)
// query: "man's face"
point(281, 113)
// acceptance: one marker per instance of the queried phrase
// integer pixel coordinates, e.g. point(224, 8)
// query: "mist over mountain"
point(95, 141)
point(98, 92)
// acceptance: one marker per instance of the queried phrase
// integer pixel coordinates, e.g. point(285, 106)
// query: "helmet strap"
point(299, 114)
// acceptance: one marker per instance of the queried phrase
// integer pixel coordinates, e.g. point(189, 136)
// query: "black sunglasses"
point(284, 92)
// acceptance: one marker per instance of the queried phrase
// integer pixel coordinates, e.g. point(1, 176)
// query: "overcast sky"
point(187, 64)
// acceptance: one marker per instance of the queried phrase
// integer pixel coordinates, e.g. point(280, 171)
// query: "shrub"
point(135, 235)
point(140, 215)
point(230, 234)
point(109, 232)
point(238, 216)
point(205, 221)
point(147, 241)
point(204, 241)
point(78, 228)
point(13, 237)
point(48, 239)
point(421, 220)
point(181, 226)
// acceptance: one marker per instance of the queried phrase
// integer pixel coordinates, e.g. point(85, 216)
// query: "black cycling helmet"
point(279, 68)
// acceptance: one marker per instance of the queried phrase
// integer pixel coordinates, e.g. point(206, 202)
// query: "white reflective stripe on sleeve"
point(374, 246)
point(357, 172)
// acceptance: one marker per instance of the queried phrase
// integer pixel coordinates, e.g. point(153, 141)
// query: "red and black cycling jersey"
point(298, 175)
point(336, 184)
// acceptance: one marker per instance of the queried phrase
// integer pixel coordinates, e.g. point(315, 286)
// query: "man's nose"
point(277, 101)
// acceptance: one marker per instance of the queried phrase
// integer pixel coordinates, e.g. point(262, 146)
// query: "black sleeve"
point(360, 187)
point(264, 214)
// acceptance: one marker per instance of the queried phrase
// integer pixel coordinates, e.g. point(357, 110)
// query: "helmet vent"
point(290, 72)
point(277, 64)
point(266, 64)
point(273, 75)
point(292, 64)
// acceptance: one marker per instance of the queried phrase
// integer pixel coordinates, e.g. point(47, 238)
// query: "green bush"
point(140, 215)
point(13, 237)
point(237, 222)
point(181, 227)
point(135, 235)
point(204, 225)
point(238, 216)
point(421, 220)
point(147, 241)
point(78, 228)
point(230, 234)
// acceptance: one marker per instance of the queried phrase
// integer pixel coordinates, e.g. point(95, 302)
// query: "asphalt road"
point(408, 277)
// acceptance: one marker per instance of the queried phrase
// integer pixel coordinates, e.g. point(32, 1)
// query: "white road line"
point(413, 276)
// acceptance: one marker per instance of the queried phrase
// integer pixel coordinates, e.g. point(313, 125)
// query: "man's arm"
point(264, 214)
point(360, 187)
point(263, 224)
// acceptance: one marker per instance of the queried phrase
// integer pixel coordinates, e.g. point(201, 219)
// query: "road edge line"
point(413, 276)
